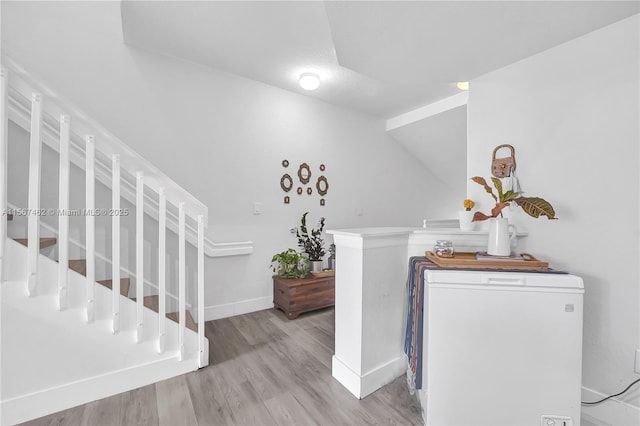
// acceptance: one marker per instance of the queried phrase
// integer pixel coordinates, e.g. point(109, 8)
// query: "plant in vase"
point(465, 216)
point(533, 206)
point(499, 243)
point(311, 243)
point(290, 264)
point(332, 256)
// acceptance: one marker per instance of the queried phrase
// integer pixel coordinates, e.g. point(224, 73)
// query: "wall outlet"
point(637, 364)
point(552, 420)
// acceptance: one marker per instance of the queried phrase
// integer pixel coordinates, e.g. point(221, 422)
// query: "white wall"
point(572, 113)
point(223, 138)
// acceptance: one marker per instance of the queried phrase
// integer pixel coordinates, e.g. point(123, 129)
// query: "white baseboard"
point(610, 412)
point(38, 404)
point(237, 308)
point(361, 386)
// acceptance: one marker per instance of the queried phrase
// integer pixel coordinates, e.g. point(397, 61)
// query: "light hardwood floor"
point(263, 370)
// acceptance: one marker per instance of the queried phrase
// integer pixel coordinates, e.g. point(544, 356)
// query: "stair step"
point(153, 303)
point(44, 241)
point(79, 265)
point(125, 283)
point(190, 322)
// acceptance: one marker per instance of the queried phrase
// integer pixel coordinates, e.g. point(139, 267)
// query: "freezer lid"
point(507, 279)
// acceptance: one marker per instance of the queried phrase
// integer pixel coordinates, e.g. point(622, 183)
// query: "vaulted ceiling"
point(383, 57)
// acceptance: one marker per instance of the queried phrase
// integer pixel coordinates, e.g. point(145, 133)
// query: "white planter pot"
point(465, 217)
point(316, 266)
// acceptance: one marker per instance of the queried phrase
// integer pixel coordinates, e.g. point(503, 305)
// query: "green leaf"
point(510, 196)
point(536, 207)
point(498, 184)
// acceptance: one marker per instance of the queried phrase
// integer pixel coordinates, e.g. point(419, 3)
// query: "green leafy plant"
point(332, 251)
point(533, 206)
point(310, 243)
point(290, 264)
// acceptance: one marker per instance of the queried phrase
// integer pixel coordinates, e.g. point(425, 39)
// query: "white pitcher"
point(501, 236)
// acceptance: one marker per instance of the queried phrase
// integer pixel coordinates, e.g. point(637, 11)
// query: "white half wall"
point(572, 114)
point(223, 138)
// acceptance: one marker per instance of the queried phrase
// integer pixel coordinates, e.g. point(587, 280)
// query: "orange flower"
point(469, 204)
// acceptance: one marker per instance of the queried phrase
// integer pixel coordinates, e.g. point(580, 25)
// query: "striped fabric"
point(413, 331)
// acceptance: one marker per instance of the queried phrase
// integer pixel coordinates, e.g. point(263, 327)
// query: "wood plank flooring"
point(263, 370)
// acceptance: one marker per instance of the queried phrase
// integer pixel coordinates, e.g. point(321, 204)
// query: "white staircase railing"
point(81, 137)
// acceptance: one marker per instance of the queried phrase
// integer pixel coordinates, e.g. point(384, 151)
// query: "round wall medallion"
point(286, 183)
point(285, 163)
point(309, 191)
point(322, 185)
point(286, 199)
point(304, 173)
point(322, 201)
point(322, 167)
point(299, 190)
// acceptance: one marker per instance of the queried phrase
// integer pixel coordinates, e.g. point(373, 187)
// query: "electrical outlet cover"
point(551, 420)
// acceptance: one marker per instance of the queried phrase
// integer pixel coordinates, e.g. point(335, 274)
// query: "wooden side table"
point(295, 296)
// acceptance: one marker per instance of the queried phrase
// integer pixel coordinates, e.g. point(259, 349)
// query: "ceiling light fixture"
point(309, 81)
point(462, 85)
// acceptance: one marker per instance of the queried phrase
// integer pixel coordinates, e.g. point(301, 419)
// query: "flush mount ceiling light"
point(309, 81)
point(462, 85)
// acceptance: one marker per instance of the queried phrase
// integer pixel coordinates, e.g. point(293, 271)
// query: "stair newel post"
point(35, 150)
point(115, 242)
point(4, 75)
point(181, 279)
point(162, 272)
point(139, 255)
point(90, 221)
point(63, 217)
point(202, 347)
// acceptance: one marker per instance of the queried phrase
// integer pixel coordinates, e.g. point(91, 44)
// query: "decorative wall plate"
point(286, 182)
point(309, 191)
point(299, 191)
point(286, 199)
point(304, 173)
point(322, 167)
point(322, 201)
point(322, 185)
point(285, 163)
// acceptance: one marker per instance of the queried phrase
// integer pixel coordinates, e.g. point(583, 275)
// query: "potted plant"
point(533, 206)
point(290, 264)
point(465, 216)
point(332, 256)
point(501, 233)
point(311, 243)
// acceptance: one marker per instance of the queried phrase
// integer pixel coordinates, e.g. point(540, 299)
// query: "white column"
point(115, 242)
point(162, 272)
point(202, 347)
point(90, 220)
point(4, 142)
point(63, 217)
point(139, 255)
point(182, 274)
point(35, 149)
point(370, 298)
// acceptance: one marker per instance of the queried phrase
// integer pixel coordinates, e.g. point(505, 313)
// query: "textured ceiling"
point(382, 58)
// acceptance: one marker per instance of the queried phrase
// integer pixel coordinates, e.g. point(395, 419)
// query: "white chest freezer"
point(501, 348)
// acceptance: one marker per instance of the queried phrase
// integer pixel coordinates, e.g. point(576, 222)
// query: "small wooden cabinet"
point(295, 296)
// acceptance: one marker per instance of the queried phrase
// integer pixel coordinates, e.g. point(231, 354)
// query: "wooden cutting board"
point(467, 260)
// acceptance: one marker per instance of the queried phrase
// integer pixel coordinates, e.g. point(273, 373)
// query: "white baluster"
point(202, 349)
point(162, 273)
point(139, 255)
point(90, 220)
point(4, 142)
point(35, 148)
point(115, 243)
point(181, 279)
point(63, 217)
